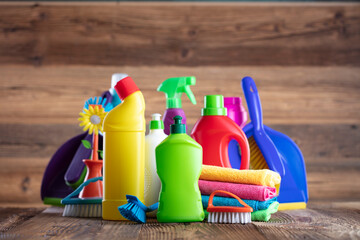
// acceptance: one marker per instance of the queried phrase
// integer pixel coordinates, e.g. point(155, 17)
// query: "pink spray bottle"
point(173, 89)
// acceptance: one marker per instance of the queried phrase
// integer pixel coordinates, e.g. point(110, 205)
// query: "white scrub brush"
point(226, 214)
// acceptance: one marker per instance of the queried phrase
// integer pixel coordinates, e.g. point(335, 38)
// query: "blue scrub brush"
point(135, 210)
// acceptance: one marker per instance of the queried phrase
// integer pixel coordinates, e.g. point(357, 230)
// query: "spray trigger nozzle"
point(173, 89)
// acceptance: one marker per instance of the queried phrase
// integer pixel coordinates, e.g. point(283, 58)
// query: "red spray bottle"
point(214, 130)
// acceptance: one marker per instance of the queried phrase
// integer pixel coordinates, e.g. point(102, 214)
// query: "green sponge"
point(261, 215)
point(265, 215)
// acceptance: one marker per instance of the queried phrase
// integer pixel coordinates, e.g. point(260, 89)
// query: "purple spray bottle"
point(237, 112)
point(173, 89)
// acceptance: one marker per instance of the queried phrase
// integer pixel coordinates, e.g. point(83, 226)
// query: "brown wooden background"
point(304, 58)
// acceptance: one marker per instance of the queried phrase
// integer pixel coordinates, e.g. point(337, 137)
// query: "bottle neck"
point(173, 103)
point(156, 131)
point(126, 87)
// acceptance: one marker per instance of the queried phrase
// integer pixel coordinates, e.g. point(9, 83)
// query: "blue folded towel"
point(227, 201)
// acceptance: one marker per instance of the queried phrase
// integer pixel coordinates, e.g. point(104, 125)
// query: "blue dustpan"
point(280, 152)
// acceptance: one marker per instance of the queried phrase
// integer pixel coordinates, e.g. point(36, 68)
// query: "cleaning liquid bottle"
point(178, 163)
point(152, 140)
point(214, 130)
point(236, 112)
point(124, 150)
point(173, 89)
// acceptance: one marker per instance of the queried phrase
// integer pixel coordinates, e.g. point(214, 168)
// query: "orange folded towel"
point(263, 177)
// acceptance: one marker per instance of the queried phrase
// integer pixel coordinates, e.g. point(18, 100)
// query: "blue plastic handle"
point(266, 145)
point(253, 101)
point(68, 199)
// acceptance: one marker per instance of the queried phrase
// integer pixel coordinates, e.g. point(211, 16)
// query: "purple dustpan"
point(53, 186)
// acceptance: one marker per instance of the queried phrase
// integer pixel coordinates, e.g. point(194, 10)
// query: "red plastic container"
point(214, 130)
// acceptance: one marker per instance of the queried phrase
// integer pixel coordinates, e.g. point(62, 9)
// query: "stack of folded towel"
point(258, 189)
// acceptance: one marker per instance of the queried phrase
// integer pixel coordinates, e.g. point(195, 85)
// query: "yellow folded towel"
point(263, 177)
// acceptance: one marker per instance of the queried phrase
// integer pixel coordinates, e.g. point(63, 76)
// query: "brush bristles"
point(133, 212)
point(229, 217)
point(83, 210)
point(257, 160)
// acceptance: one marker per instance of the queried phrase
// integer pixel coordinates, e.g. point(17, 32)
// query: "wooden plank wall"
point(304, 58)
point(186, 34)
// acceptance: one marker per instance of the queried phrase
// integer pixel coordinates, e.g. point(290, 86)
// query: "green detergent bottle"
point(178, 163)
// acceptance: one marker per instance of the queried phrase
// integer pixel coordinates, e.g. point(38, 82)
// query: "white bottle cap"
point(156, 116)
point(156, 122)
point(115, 78)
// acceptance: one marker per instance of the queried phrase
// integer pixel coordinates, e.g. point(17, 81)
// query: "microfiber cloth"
point(261, 215)
point(229, 201)
point(265, 215)
point(264, 177)
point(243, 191)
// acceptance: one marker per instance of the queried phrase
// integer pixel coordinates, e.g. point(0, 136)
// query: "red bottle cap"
point(125, 87)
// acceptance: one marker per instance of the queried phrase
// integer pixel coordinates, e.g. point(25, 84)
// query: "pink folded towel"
point(244, 191)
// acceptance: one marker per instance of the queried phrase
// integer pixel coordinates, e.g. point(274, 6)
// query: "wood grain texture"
point(11, 217)
point(186, 34)
point(289, 95)
point(316, 142)
point(321, 221)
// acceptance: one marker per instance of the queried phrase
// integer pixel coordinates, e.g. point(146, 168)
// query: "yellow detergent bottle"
point(124, 149)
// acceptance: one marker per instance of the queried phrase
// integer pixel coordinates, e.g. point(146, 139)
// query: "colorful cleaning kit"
point(274, 150)
point(235, 175)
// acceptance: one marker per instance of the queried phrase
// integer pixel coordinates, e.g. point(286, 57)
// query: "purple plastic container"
point(169, 114)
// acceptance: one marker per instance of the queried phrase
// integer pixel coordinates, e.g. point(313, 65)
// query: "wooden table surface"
point(323, 220)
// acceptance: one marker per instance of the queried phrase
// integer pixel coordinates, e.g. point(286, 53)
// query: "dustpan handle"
point(253, 102)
